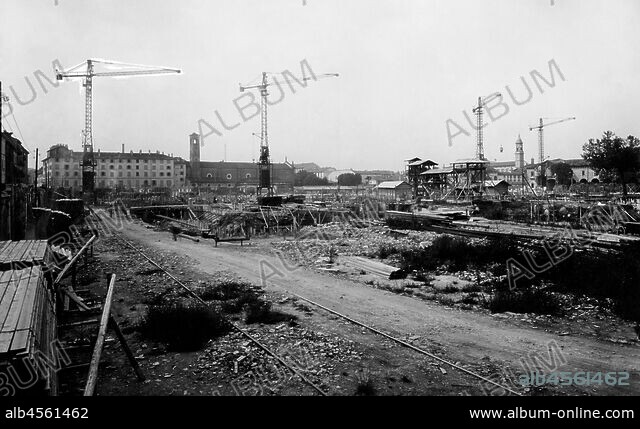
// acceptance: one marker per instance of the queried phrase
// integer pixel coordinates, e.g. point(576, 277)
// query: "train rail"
point(336, 313)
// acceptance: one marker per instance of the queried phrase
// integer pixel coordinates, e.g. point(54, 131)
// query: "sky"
point(408, 69)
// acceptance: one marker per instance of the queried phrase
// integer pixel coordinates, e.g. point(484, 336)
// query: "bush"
point(260, 311)
point(183, 327)
point(531, 300)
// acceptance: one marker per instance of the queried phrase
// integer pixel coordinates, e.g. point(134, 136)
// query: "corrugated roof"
point(392, 184)
point(436, 171)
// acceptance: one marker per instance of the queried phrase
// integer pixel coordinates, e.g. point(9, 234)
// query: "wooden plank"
point(75, 298)
point(3, 244)
point(30, 314)
point(17, 253)
point(7, 298)
point(8, 312)
point(6, 252)
point(127, 351)
point(92, 379)
point(10, 325)
point(73, 261)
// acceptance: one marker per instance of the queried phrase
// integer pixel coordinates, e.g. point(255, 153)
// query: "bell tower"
point(519, 153)
point(194, 155)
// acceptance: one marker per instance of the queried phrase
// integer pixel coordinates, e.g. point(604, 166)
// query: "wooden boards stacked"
point(27, 308)
point(22, 254)
point(26, 311)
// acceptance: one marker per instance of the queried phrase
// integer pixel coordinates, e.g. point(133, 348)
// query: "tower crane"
point(86, 70)
point(264, 162)
point(479, 111)
point(541, 125)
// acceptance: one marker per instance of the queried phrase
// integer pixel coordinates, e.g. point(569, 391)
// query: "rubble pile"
point(315, 354)
point(313, 244)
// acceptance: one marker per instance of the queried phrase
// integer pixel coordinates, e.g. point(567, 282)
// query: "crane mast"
point(479, 112)
point(88, 161)
point(264, 162)
point(540, 127)
point(86, 71)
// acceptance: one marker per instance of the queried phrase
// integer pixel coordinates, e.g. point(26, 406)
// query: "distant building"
point(395, 190)
point(138, 171)
point(14, 185)
point(582, 171)
point(512, 172)
point(332, 177)
point(232, 176)
point(310, 167)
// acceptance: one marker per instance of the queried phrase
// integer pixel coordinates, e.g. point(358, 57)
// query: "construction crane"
point(264, 162)
point(86, 70)
point(541, 125)
point(479, 111)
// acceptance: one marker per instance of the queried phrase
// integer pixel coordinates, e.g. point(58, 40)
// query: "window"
point(66, 166)
point(248, 176)
point(229, 176)
point(209, 176)
point(168, 182)
point(111, 167)
point(583, 172)
point(161, 173)
point(137, 174)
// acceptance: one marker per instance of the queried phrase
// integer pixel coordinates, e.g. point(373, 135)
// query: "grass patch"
point(183, 327)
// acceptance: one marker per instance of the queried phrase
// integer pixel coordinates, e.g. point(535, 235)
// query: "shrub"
point(530, 300)
point(260, 311)
point(183, 327)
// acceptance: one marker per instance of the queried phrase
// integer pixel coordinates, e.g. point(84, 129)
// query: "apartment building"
point(115, 170)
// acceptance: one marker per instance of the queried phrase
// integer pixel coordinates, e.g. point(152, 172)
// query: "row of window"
point(229, 176)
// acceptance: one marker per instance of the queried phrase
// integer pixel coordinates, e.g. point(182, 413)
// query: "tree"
point(618, 158)
point(563, 173)
point(349, 179)
point(304, 178)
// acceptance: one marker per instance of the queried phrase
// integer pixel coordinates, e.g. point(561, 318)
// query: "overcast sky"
point(406, 67)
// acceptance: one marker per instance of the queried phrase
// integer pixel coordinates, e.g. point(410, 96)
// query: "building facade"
point(14, 187)
point(138, 171)
point(234, 176)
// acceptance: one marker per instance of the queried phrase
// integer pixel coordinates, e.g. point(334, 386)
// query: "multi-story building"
point(115, 170)
point(14, 182)
point(582, 171)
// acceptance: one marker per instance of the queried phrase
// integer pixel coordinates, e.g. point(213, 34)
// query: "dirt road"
point(477, 341)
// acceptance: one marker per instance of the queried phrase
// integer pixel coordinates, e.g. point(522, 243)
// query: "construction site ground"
point(337, 355)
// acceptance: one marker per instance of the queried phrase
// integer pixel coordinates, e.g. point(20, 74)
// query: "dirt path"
point(476, 341)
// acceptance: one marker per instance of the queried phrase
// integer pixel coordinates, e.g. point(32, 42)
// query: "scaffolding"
point(462, 181)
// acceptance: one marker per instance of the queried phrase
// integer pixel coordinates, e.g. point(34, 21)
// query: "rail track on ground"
point(203, 302)
point(324, 308)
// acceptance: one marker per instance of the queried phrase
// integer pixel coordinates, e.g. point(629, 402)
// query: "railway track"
point(343, 316)
point(235, 327)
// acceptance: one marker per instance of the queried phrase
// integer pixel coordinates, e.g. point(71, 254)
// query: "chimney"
point(122, 147)
point(532, 161)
